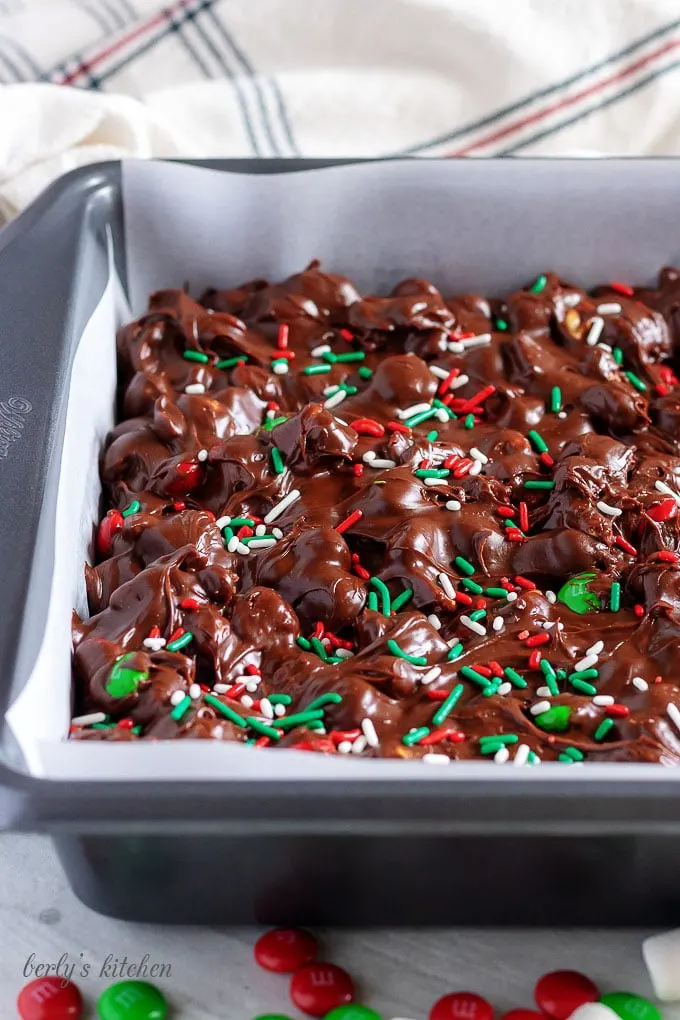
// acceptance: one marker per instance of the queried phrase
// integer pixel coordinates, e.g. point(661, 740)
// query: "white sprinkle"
point(253, 684)
point(369, 456)
point(613, 308)
point(266, 708)
point(641, 684)
point(431, 675)
point(440, 373)
point(344, 653)
point(194, 388)
point(481, 340)
point(93, 717)
point(595, 649)
point(571, 300)
point(247, 701)
point(551, 597)
point(202, 456)
point(543, 692)
point(194, 692)
point(233, 544)
point(540, 706)
point(223, 522)
point(511, 596)
point(587, 662)
point(673, 714)
point(432, 758)
point(154, 643)
point(242, 549)
point(370, 732)
point(560, 626)
point(261, 543)
point(414, 409)
point(460, 380)
point(380, 464)
point(478, 455)
point(261, 529)
point(501, 755)
point(472, 625)
point(441, 415)
point(446, 585)
point(277, 533)
point(435, 621)
point(318, 352)
point(562, 415)
point(603, 700)
point(504, 689)
point(498, 623)
point(667, 491)
point(453, 504)
point(280, 710)
point(345, 747)
point(336, 399)
point(521, 755)
point(610, 511)
point(177, 697)
point(595, 332)
point(281, 507)
point(221, 688)
point(436, 481)
point(476, 468)
point(359, 745)
point(456, 347)
point(441, 343)
point(605, 347)
point(328, 391)
point(270, 414)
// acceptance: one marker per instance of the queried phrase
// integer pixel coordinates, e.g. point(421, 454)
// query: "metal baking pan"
point(557, 845)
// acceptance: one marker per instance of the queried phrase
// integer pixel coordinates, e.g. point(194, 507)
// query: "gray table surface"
point(400, 972)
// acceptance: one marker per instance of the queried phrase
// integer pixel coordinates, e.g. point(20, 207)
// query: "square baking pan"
point(363, 842)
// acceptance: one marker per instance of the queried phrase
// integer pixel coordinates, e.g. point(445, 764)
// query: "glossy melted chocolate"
point(410, 526)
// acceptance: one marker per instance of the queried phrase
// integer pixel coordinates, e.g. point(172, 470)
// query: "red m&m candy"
point(283, 950)
point(317, 988)
point(50, 998)
point(462, 1006)
point(560, 993)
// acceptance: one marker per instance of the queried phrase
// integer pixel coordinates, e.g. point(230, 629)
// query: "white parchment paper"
point(487, 226)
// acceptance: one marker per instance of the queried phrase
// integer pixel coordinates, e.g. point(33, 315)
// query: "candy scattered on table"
point(317, 988)
point(50, 998)
point(132, 1000)
point(462, 1006)
point(561, 992)
point(661, 954)
point(630, 1007)
point(283, 950)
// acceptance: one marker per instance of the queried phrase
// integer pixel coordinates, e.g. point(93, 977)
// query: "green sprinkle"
point(547, 669)
point(584, 687)
point(635, 381)
point(415, 660)
point(501, 325)
point(565, 758)
point(330, 357)
point(331, 698)
point(415, 735)
point(224, 710)
point(432, 473)
point(617, 354)
point(574, 753)
point(179, 710)
point(455, 651)
point(550, 677)
point(584, 674)
point(555, 719)
point(373, 601)
point(260, 727)
point(271, 423)
point(533, 758)
point(603, 729)
point(288, 722)
point(448, 705)
point(509, 523)
point(464, 566)
point(181, 642)
point(350, 356)
point(319, 648)
point(432, 436)
point(615, 597)
point(279, 699)
point(492, 747)
point(364, 372)
point(539, 485)
point(349, 390)
point(316, 724)
point(196, 356)
point(417, 419)
point(515, 679)
point(471, 585)
point(500, 738)
point(304, 643)
point(316, 369)
point(561, 674)
point(384, 593)
point(471, 674)
point(277, 461)
point(497, 593)
point(232, 362)
point(256, 538)
point(402, 599)
point(442, 407)
point(479, 614)
point(538, 441)
point(103, 726)
point(227, 535)
point(469, 422)
point(556, 399)
point(134, 508)
point(123, 680)
point(242, 522)
point(539, 285)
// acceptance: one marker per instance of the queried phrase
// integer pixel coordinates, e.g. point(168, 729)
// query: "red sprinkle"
point(463, 598)
point(236, 690)
point(176, 635)
point(506, 511)
point(245, 531)
point(622, 288)
point(620, 711)
point(524, 517)
point(272, 406)
point(179, 505)
point(358, 569)
point(424, 464)
point(396, 426)
point(126, 724)
point(346, 333)
point(155, 632)
point(666, 556)
point(357, 470)
point(445, 733)
point(668, 375)
point(658, 679)
point(446, 383)
point(626, 546)
point(523, 635)
point(111, 524)
point(252, 670)
point(368, 427)
point(537, 639)
point(438, 695)
point(495, 668)
point(189, 603)
point(666, 510)
point(481, 396)
point(462, 467)
point(318, 630)
point(480, 603)
point(639, 610)
point(547, 460)
point(534, 659)
point(282, 339)
point(262, 741)
point(662, 389)
point(337, 736)
point(524, 582)
point(451, 461)
point(351, 519)
point(484, 670)
point(514, 535)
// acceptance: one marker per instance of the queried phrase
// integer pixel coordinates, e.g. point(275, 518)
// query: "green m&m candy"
point(555, 719)
point(132, 1000)
point(123, 680)
point(631, 1007)
point(577, 596)
point(352, 1012)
